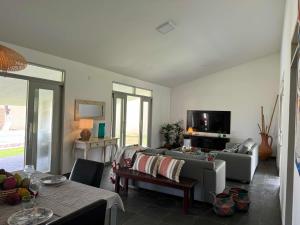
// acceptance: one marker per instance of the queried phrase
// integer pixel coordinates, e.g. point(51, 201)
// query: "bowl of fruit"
point(13, 188)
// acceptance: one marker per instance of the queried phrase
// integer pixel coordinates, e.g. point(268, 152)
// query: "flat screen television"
point(209, 121)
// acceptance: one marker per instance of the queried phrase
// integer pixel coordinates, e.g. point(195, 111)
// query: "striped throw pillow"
point(146, 164)
point(170, 168)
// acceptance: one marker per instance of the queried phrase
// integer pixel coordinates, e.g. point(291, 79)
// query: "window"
point(123, 88)
point(143, 92)
point(132, 115)
point(131, 90)
point(41, 72)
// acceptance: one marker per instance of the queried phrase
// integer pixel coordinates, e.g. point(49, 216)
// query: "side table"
point(101, 144)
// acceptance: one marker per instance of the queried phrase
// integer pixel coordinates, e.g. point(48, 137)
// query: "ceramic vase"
point(101, 130)
point(265, 148)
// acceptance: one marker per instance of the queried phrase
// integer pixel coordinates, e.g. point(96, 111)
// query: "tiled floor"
point(151, 208)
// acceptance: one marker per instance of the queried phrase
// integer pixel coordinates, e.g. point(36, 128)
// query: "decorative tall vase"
point(101, 130)
point(265, 148)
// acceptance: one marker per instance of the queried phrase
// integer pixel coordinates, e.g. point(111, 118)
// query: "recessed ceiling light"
point(166, 27)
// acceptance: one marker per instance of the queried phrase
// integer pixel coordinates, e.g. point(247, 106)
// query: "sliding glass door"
point(131, 119)
point(146, 122)
point(30, 119)
point(43, 126)
point(119, 101)
point(13, 111)
point(133, 115)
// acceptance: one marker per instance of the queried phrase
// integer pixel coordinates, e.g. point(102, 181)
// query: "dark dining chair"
point(87, 172)
point(93, 214)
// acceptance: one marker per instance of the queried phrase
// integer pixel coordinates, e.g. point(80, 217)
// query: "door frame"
point(149, 100)
point(31, 130)
point(116, 94)
point(62, 104)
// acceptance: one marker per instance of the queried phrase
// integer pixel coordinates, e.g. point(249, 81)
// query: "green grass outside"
point(11, 152)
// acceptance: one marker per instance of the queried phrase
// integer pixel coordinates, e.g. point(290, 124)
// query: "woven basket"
point(238, 193)
point(242, 205)
point(4, 193)
point(224, 210)
point(241, 199)
point(224, 205)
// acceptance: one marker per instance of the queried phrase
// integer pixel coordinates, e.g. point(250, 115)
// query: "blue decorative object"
point(297, 159)
point(101, 130)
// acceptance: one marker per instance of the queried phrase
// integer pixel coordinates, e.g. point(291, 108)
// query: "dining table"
point(68, 197)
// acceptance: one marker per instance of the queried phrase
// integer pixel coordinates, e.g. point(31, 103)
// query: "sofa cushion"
point(159, 151)
point(186, 155)
point(170, 167)
point(146, 164)
point(246, 146)
point(201, 163)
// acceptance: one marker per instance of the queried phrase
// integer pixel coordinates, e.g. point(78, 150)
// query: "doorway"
point(30, 122)
point(13, 113)
point(132, 119)
point(43, 126)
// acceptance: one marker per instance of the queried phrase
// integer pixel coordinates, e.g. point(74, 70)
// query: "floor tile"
point(144, 207)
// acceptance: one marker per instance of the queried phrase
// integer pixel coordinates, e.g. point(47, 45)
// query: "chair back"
point(93, 214)
point(87, 172)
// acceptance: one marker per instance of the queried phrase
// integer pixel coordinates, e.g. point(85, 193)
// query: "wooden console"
point(207, 142)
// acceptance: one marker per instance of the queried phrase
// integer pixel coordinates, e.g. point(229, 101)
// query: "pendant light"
point(10, 60)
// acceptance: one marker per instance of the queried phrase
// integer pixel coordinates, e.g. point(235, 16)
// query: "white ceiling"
point(120, 35)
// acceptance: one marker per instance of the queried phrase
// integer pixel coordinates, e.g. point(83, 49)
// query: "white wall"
point(241, 90)
point(91, 83)
point(289, 178)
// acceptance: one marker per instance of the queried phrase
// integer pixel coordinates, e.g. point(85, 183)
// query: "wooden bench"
point(186, 185)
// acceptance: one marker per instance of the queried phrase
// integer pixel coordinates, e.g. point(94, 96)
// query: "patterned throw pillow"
point(233, 149)
point(170, 168)
point(128, 162)
point(146, 164)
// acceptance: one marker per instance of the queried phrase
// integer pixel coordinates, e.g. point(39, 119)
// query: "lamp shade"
point(190, 130)
point(10, 60)
point(86, 123)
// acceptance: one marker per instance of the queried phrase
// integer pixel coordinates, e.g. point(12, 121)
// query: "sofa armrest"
point(255, 158)
point(214, 180)
point(238, 166)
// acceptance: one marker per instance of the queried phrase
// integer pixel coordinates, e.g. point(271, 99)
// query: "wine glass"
point(27, 206)
point(27, 203)
point(29, 170)
point(34, 187)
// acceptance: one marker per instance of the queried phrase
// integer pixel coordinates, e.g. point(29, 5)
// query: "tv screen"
point(209, 121)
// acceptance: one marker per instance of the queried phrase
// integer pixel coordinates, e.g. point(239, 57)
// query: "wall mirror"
point(85, 109)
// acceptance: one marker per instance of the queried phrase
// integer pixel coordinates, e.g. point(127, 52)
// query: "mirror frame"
point(88, 102)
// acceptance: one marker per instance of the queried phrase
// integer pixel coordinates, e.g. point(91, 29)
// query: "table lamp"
point(190, 130)
point(86, 125)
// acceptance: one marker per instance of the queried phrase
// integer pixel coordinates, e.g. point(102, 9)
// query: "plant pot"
point(168, 146)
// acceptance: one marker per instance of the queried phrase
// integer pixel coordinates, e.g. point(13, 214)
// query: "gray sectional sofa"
point(241, 160)
point(211, 176)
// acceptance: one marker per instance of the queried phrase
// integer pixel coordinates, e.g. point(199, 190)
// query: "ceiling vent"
point(166, 27)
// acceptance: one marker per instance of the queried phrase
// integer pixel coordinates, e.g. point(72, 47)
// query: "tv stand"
point(207, 142)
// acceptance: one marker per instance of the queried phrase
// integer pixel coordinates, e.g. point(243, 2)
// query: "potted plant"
point(172, 134)
point(178, 133)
